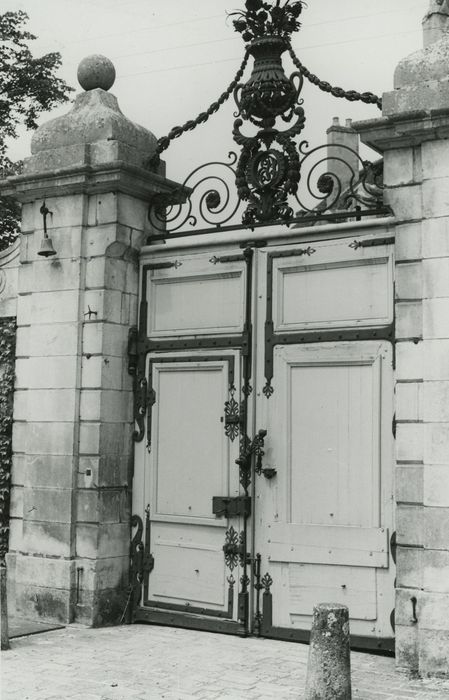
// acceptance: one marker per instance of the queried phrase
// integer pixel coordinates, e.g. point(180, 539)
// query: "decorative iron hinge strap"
point(372, 242)
point(234, 548)
point(136, 561)
point(163, 265)
point(234, 416)
point(226, 258)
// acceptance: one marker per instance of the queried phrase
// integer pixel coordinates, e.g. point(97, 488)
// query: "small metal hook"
point(414, 601)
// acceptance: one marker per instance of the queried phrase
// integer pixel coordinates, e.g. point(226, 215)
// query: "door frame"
point(141, 345)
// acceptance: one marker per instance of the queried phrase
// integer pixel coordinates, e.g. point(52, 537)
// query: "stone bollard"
point(328, 668)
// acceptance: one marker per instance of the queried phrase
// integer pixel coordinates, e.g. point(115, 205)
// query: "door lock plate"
point(227, 507)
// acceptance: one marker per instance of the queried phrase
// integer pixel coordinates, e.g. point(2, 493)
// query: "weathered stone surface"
point(51, 573)
point(409, 483)
point(46, 372)
point(50, 505)
point(95, 116)
point(436, 22)
point(434, 611)
point(399, 167)
point(409, 360)
point(407, 645)
point(47, 538)
point(408, 243)
point(46, 471)
point(409, 282)
point(409, 401)
point(436, 571)
point(406, 202)
point(36, 438)
point(434, 653)
point(102, 540)
point(435, 237)
point(409, 567)
point(409, 319)
point(424, 66)
point(409, 525)
point(435, 528)
point(328, 668)
point(436, 318)
point(409, 442)
point(50, 604)
point(436, 443)
point(436, 277)
point(96, 71)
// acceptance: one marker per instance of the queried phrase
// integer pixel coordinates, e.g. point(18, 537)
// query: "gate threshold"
point(168, 618)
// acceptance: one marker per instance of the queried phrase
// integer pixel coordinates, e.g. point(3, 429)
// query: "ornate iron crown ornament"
point(268, 168)
point(271, 166)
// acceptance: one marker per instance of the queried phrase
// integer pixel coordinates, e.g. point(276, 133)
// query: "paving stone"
point(143, 662)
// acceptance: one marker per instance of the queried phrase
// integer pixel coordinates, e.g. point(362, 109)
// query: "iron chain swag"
point(177, 131)
point(350, 95)
point(269, 168)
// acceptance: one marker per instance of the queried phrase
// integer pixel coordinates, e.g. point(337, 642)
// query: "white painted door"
point(321, 385)
point(188, 465)
point(323, 522)
point(193, 316)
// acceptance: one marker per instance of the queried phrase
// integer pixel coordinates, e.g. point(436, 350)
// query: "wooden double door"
point(264, 452)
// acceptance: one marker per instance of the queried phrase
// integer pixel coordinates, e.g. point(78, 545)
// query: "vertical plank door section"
point(188, 465)
point(322, 524)
point(194, 323)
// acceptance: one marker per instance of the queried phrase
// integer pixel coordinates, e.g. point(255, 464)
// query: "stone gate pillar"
point(73, 414)
point(413, 136)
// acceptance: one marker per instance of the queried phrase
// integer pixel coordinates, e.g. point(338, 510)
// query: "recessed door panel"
point(190, 452)
point(332, 288)
point(188, 465)
point(332, 407)
point(188, 565)
point(194, 296)
point(323, 523)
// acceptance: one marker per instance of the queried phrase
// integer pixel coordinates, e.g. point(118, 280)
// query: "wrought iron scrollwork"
point(213, 200)
point(136, 368)
point(136, 560)
point(141, 559)
point(337, 179)
point(234, 416)
point(234, 548)
point(248, 448)
point(262, 583)
point(271, 166)
point(268, 390)
point(268, 170)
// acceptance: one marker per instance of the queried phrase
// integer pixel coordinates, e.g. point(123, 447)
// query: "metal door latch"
point(234, 548)
point(228, 507)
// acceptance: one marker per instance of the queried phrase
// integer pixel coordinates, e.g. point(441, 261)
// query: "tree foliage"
point(28, 87)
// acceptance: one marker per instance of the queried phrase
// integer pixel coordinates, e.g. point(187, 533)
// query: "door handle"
point(269, 472)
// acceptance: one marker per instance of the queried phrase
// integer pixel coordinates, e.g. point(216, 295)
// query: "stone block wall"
point(415, 176)
point(73, 407)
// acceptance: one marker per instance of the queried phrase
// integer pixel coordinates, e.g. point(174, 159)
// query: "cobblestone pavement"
point(142, 662)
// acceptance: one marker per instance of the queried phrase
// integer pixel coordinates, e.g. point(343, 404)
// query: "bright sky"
point(174, 57)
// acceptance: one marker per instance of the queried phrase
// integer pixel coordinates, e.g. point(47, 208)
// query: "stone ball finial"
point(96, 71)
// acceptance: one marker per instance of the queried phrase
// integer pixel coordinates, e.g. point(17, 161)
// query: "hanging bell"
point(46, 249)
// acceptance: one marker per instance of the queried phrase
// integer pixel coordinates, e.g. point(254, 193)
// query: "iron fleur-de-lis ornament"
point(268, 169)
